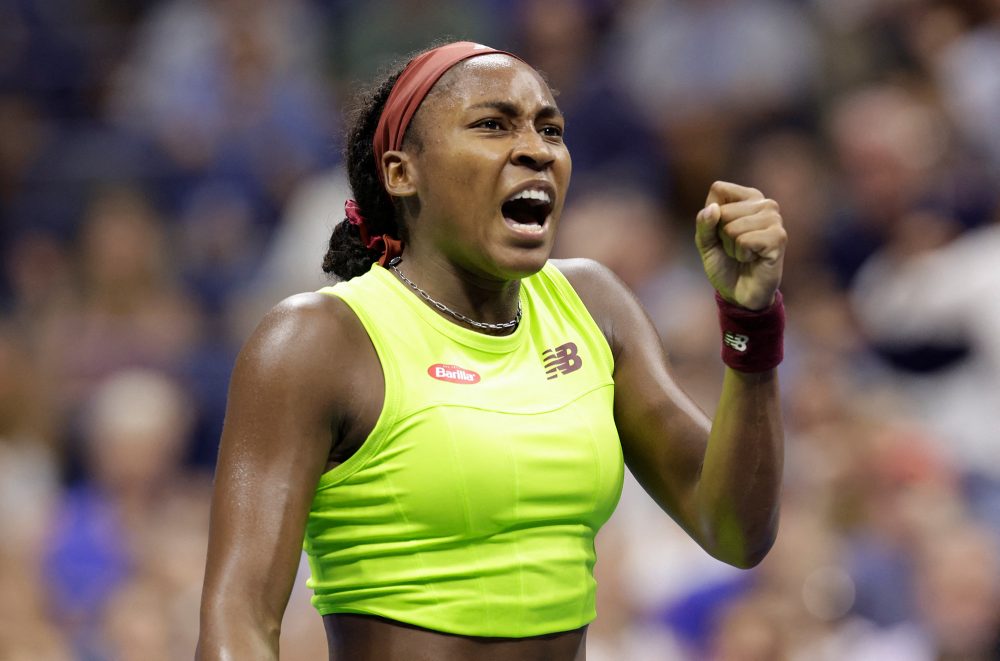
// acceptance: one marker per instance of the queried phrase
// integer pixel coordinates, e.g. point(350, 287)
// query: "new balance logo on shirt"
point(561, 360)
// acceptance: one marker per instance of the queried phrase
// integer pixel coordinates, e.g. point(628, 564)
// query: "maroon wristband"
point(752, 340)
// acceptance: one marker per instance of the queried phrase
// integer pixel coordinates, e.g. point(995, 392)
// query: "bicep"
point(275, 443)
point(664, 434)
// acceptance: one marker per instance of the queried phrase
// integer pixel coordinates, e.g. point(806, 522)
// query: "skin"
point(291, 417)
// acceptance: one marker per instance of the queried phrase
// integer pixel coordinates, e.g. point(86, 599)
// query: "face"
point(490, 170)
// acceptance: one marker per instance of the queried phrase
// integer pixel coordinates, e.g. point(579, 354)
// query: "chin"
point(518, 263)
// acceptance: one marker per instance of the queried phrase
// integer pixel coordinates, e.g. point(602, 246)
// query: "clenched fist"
point(741, 240)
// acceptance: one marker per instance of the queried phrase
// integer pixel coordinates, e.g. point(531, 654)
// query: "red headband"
point(412, 86)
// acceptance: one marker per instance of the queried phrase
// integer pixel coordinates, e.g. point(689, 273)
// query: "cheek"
point(461, 169)
point(561, 172)
point(468, 188)
point(565, 166)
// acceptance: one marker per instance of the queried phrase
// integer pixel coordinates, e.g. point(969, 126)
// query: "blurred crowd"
point(170, 169)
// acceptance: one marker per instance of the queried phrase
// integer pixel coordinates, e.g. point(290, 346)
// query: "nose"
point(531, 150)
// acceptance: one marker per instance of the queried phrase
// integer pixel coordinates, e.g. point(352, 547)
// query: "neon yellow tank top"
point(472, 507)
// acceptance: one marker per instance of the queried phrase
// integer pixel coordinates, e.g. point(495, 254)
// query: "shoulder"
point(311, 316)
point(302, 335)
point(609, 301)
point(584, 272)
point(614, 307)
point(591, 280)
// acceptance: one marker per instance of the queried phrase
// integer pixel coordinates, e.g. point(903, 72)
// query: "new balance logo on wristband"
point(736, 341)
point(767, 327)
point(563, 359)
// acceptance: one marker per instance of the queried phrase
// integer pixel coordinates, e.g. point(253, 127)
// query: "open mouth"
point(527, 209)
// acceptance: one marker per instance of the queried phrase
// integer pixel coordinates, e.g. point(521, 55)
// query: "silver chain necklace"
point(458, 315)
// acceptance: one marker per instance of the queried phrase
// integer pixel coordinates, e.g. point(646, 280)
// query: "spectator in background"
point(24, 136)
point(957, 579)
point(127, 309)
point(308, 220)
point(958, 594)
point(753, 629)
point(29, 461)
point(218, 245)
point(898, 162)
point(39, 270)
point(231, 91)
point(705, 71)
point(107, 526)
point(166, 568)
point(945, 297)
point(29, 491)
point(965, 69)
point(906, 492)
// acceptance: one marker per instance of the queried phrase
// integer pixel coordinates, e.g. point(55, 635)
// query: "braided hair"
point(347, 256)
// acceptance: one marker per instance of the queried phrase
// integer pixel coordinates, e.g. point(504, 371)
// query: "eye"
point(489, 124)
point(552, 131)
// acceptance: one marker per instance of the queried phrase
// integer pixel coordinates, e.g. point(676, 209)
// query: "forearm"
point(739, 487)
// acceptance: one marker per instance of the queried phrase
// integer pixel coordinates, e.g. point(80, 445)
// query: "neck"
point(461, 296)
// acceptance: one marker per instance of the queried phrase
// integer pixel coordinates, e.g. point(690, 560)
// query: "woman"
point(446, 429)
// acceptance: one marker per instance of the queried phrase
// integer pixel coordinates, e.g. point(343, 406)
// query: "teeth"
point(532, 194)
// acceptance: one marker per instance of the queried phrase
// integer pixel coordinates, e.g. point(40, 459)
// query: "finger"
point(706, 226)
point(723, 192)
point(734, 210)
point(749, 223)
point(767, 245)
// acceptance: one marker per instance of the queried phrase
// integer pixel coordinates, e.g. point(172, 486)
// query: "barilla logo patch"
point(452, 374)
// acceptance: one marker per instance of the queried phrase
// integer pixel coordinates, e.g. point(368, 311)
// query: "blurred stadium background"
point(171, 169)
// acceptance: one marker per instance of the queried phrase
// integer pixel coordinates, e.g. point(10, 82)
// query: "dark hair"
point(347, 256)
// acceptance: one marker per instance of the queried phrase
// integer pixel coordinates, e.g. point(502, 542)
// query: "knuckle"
point(780, 237)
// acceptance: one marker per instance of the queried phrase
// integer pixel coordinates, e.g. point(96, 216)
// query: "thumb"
point(706, 227)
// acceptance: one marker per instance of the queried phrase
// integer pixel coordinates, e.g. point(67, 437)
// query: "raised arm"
point(285, 408)
point(719, 479)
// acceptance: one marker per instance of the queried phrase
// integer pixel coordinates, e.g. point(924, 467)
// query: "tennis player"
point(446, 429)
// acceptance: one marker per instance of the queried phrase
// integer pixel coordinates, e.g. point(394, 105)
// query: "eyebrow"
point(513, 110)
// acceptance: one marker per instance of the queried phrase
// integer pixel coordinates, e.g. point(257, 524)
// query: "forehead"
point(490, 78)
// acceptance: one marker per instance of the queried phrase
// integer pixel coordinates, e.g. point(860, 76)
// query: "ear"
point(400, 174)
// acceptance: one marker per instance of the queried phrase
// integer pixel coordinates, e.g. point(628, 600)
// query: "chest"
point(474, 471)
point(482, 443)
